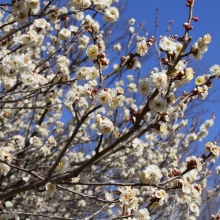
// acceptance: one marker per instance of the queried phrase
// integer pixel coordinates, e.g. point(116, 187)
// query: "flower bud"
point(195, 19)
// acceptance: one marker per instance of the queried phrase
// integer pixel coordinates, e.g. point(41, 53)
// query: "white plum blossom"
point(141, 48)
point(94, 73)
point(40, 23)
point(8, 83)
point(207, 38)
point(50, 189)
point(158, 104)
point(88, 22)
point(18, 6)
point(200, 47)
point(36, 141)
point(186, 186)
point(111, 14)
point(161, 195)
point(142, 214)
point(199, 80)
point(132, 21)
point(131, 29)
point(62, 165)
point(81, 4)
point(159, 80)
point(178, 48)
point(104, 125)
point(62, 63)
point(193, 207)
point(128, 197)
point(117, 47)
point(144, 87)
point(4, 169)
point(83, 73)
point(30, 38)
point(151, 175)
point(92, 52)
point(52, 13)
point(213, 149)
point(104, 97)
point(102, 4)
point(64, 34)
point(83, 42)
point(167, 45)
point(32, 4)
point(215, 70)
point(70, 98)
point(116, 101)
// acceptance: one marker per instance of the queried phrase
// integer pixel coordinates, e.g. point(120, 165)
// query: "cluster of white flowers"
point(52, 13)
point(9, 216)
point(86, 73)
point(200, 47)
point(142, 214)
point(111, 97)
point(158, 198)
point(62, 66)
point(21, 8)
point(46, 58)
point(186, 76)
point(81, 4)
point(128, 198)
point(213, 148)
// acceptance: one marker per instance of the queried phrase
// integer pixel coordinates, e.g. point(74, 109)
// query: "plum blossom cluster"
point(84, 125)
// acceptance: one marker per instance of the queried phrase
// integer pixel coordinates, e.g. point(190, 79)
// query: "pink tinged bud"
point(123, 58)
point(195, 19)
point(187, 26)
point(94, 91)
point(101, 55)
